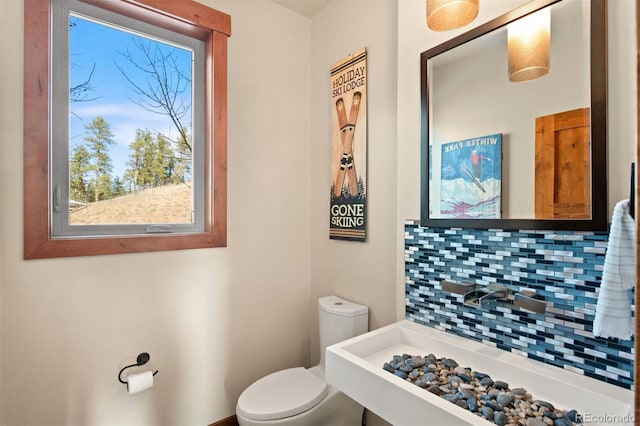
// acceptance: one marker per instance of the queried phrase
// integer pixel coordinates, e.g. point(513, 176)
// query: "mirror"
point(500, 154)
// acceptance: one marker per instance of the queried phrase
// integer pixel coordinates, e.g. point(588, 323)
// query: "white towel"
point(613, 310)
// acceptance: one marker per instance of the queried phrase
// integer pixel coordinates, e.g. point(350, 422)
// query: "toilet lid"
point(282, 394)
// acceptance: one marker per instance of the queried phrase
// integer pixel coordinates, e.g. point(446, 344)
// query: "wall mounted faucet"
point(478, 296)
point(485, 297)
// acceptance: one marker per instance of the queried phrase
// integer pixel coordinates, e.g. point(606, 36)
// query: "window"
point(128, 134)
point(136, 114)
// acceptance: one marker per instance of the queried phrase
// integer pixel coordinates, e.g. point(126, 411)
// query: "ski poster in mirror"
point(470, 178)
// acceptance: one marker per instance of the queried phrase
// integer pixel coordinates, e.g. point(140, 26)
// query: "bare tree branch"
point(80, 92)
point(166, 82)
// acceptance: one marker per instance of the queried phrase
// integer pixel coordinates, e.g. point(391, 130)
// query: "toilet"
point(300, 396)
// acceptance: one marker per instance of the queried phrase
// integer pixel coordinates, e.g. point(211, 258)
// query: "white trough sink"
point(355, 368)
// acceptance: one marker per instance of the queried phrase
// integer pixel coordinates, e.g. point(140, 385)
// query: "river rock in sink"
point(477, 392)
point(353, 367)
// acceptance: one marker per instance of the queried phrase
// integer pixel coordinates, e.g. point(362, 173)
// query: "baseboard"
point(229, 421)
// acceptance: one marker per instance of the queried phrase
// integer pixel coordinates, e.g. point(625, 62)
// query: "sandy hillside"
point(167, 204)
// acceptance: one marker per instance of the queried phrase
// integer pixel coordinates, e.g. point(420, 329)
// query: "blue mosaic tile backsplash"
point(563, 267)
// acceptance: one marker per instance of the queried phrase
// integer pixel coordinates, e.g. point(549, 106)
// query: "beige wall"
point(213, 320)
point(622, 107)
point(361, 272)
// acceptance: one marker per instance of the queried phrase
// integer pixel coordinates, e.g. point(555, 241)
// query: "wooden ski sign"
point(347, 216)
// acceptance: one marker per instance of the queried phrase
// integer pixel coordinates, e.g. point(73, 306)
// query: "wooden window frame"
point(184, 16)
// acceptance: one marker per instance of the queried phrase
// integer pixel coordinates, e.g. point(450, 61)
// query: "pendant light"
point(529, 46)
point(443, 15)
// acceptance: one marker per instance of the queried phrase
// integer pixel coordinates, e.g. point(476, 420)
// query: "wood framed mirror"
point(541, 169)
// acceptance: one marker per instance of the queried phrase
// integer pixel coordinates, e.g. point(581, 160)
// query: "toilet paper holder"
point(142, 359)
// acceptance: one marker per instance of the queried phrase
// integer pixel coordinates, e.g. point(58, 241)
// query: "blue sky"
point(92, 43)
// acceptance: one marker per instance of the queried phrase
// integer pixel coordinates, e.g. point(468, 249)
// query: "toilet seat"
point(282, 394)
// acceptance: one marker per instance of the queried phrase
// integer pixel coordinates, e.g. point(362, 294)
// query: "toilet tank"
point(340, 320)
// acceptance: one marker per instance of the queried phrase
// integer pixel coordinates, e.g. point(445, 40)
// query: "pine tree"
point(117, 187)
point(79, 166)
point(99, 140)
point(147, 175)
point(136, 159)
point(181, 172)
point(164, 160)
